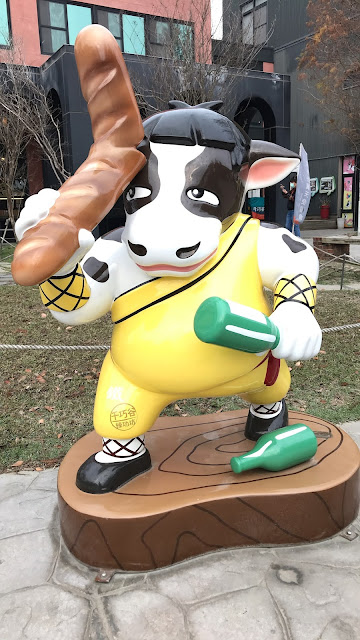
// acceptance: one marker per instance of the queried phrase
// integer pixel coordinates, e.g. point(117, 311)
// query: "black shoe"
point(103, 477)
point(256, 427)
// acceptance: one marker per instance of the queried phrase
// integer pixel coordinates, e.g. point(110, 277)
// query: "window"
point(260, 23)
point(111, 21)
point(4, 23)
point(184, 45)
point(60, 22)
point(159, 31)
point(254, 22)
point(53, 33)
point(158, 37)
point(168, 39)
point(134, 34)
point(78, 18)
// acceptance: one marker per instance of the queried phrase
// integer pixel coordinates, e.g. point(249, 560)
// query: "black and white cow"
point(191, 190)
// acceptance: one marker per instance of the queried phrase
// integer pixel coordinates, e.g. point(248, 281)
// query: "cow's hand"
point(300, 334)
point(86, 241)
point(36, 208)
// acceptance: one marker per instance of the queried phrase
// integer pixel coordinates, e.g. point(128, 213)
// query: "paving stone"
point(316, 599)
point(144, 615)
point(337, 552)
point(70, 572)
point(353, 429)
point(97, 630)
point(213, 575)
point(46, 480)
point(13, 483)
point(121, 582)
point(244, 614)
point(43, 613)
point(339, 629)
point(26, 511)
point(6, 279)
point(26, 560)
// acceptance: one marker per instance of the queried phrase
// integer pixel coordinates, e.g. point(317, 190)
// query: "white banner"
point(303, 191)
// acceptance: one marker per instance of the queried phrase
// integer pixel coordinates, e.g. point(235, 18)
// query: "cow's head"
point(199, 167)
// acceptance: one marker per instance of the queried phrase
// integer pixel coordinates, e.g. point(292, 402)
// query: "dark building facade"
point(270, 101)
point(287, 19)
point(59, 77)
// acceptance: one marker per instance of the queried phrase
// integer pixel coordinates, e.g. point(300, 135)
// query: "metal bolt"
point(350, 535)
point(104, 576)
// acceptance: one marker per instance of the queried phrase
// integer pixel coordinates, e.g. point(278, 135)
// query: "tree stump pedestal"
point(190, 502)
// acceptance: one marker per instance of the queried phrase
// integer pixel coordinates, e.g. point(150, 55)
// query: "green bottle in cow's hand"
point(278, 450)
point(233, 325)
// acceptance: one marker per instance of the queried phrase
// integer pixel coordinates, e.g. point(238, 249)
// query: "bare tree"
point(190, 65)
point(330, 64)
point(27, 120)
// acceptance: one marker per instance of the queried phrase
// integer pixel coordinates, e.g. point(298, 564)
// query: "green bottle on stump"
point(233, 325)
point(278, 450)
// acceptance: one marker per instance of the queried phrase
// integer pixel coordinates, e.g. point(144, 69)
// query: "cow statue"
point(184, 240)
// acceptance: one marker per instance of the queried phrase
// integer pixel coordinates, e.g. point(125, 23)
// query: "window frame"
point(8, 46)
point(76, 4)
point(171, 23)
point(255, 5)
point(118, 12)
point(94, 17)
point(136, 14)
point(66, 29)
point(148, 29)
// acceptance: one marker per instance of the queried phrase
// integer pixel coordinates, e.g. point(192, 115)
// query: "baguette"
point(113, 160)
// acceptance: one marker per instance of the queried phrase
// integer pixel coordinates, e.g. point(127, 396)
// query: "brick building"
point(44, 26)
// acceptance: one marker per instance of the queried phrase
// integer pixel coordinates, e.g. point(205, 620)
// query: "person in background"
point(290, 195)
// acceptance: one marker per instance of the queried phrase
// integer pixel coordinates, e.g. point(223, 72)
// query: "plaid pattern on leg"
point(266, 409)
point(124, 448)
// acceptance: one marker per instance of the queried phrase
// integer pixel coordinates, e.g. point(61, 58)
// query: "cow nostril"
point(138, 249)
point(187, 252)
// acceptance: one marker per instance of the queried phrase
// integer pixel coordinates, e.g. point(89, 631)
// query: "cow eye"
point(137, 192)
point(202, 196)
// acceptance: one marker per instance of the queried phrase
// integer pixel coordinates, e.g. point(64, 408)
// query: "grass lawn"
point(6, 253)
point(47, 397)
point(330, 273)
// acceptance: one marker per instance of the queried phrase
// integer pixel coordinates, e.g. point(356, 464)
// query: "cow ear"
point(269, 164)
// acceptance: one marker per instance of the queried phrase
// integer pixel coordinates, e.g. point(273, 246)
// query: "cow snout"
point(138, 249)
point(187, 252)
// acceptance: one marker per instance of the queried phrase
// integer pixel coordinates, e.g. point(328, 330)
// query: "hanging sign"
point(314, 186)
point(327, 185)
point(349, 165)
point(303, 189)
point(348, 190)
point(348, 219)
point(257, 206)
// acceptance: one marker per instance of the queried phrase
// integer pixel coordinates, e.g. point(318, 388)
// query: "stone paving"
point(308, 592)
point(5, 273)
point(5, 278)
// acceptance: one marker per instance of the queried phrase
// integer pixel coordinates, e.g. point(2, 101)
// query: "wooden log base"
point(190, 502)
